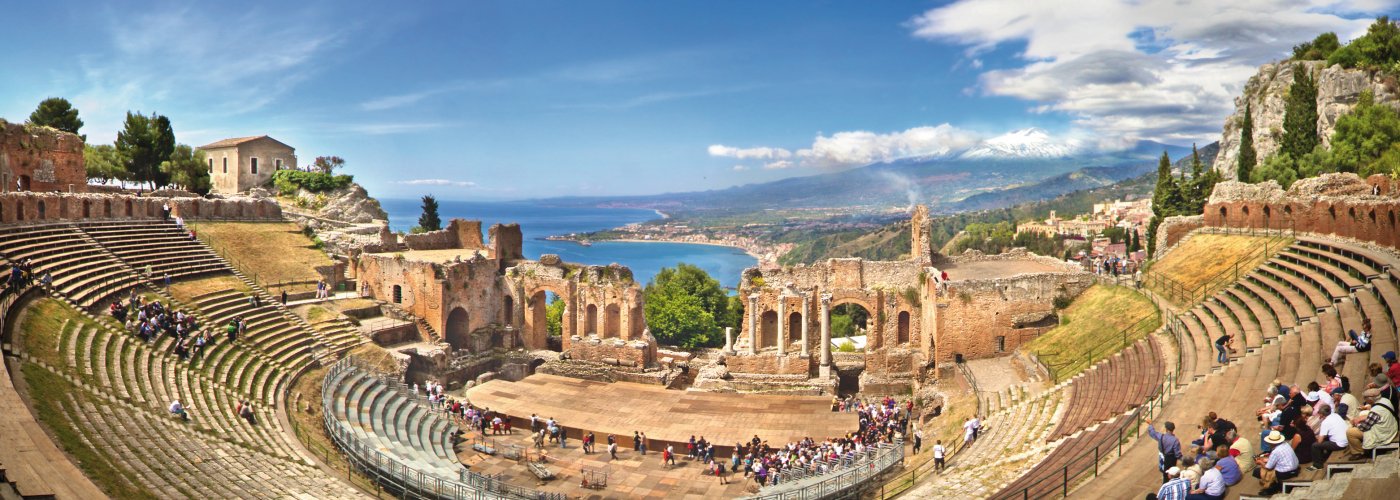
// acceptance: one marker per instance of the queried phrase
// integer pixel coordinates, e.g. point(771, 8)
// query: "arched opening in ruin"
point(398, 294)
point(42, 210)
point(1392, 219)
point(849, 319)
point(1351, 212)
point(903, 330)
point(24, 183)
point(1373, 216)
point(794, 327)
point(768, 329)
point(129, 211)
point(458, 328)
point(106, 208)
point(590, 320)
point(612, 321)
point(541, 306)
point(1224, 213)
point(1246, 211)
point(508, 311)
point(1332, 212)
point(87, 209)
point(19, 210)
point(1267, 214)
point(62, 208)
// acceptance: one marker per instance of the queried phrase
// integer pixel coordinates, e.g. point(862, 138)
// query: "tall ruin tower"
point(919, 247)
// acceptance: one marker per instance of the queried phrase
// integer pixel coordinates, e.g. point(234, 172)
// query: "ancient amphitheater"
point(85, 401)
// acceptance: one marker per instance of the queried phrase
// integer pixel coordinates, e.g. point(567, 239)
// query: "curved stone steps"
point(1281, 271)
point(1338, 281)
point(1303, 309)
point(1244, 317)
point(386, 418)
point(1282, 313)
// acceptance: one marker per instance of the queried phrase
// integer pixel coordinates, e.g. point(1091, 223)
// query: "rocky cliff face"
point(1338, 90)
point(351, 204)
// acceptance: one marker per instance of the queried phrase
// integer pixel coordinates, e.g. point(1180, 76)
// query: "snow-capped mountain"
point(1021, 144)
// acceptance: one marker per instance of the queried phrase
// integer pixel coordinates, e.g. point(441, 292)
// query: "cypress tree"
point(1248, 157)
point(1300, 115)
point(429, 221)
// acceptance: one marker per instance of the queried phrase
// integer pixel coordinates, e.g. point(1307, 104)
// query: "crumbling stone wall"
point(43, 158)
point(640, 353)
point(974, 314)
point(1173, 229)
point(459, 233)
point(37, 207)
point(1339, 204)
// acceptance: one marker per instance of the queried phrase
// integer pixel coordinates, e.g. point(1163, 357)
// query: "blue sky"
point(511, 100)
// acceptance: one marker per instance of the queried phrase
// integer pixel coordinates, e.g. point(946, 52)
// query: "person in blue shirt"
point(1281, 460)
point(1229, 468)
point(1176, 487)
point(1168, 446)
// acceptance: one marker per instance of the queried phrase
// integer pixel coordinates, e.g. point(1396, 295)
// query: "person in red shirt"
point(1393, 372)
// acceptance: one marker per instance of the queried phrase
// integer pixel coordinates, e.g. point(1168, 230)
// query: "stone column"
point(782, 325)
point(753, 324)
point(806, 306)
point(728, 339)
point(826, 331)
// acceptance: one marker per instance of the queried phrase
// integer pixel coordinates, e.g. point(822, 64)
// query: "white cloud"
point(740, 168)
point(777, 165)
point(436, 182)
point(1159, 70)
point(760, 153)
point(844, 149)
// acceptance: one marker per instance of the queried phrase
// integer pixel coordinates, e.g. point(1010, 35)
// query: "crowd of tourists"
point(20, 276)
point(1300, 426)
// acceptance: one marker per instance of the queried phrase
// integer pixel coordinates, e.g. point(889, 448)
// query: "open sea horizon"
point(538, 221)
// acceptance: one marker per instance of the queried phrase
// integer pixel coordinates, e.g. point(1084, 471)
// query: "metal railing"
point(391, 474)
point(1186, 295)
point(852, 475)
point(976, 391)
point(1086, 464)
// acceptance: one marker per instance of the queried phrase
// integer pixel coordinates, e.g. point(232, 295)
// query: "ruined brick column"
point(753, 324)
point(826, 334)
point(782, 325)
point(806, 297)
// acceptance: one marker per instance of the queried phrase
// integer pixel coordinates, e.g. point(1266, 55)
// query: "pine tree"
point(1300, 115)
point(1136, 244)
point(1164, 197)
point(429, 221)
point(58, 113)
point(1248, 157)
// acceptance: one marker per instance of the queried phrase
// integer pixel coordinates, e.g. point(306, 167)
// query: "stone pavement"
point(664, 415)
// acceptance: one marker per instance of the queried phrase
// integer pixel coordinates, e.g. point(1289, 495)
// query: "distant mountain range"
point(1024, 165)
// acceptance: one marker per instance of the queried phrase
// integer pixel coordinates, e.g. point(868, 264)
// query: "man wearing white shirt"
point(938, 453)
point(1212, 485)
point(1331, 436)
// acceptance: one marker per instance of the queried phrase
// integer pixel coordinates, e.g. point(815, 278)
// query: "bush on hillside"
point(289, 181)
point(1377, 50)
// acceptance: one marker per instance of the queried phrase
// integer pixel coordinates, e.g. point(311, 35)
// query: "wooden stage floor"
point(665, 416)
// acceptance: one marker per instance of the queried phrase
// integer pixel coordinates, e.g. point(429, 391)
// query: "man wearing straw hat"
point(1280, 462)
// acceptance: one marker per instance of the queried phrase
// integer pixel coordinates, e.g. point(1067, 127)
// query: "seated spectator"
point(1243, 451)
point(1331, 436)
point(1190, 470)
point(179, 410)
point(1360, 342)
point(1277, 466)
point(1212, 485)
point(1176, 486)
point(1375, 425)
point(1229, 468)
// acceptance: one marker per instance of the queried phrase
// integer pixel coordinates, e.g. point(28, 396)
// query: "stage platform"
point(665, 416)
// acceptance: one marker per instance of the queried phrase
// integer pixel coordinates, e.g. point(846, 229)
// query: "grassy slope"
point(1202, 257)
point(1098, 315)
point(186, 291)
point(42, 326)
point(273, 251)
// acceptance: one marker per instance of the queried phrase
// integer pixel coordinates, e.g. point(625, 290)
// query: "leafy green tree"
point(327, 164)
point(145, 142)
point(104, 163)
point(554, 318)
point(1378, 49)
point(1248, 157)
point(1134, 245)
point(1319, 49)
point(1367, 140)
point(58, 113)
point(1300, 115)
point(188, 169)
point(684, 307)
point(429, 221)
point(848, 319)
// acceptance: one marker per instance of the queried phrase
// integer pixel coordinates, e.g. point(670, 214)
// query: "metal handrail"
point(854, 474)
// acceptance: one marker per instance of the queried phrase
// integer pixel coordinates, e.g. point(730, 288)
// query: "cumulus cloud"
point(844, 149)
point(1166, 71)
point(778, 165)
point(436, 182)
point(759, 153)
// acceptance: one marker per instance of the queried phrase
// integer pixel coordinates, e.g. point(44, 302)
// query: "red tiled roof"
point(238, 140)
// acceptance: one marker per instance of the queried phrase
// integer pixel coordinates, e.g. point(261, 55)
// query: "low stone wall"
point(770, 363)
point(27, 207)
point(1338, 204)
point(613, 351)
point(974, 314)
point(1173, 229)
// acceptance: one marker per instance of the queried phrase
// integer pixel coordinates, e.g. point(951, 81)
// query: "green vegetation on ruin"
point(1099, 322)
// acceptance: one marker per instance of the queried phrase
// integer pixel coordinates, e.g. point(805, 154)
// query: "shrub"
point(1061, 301)
point(289, 181)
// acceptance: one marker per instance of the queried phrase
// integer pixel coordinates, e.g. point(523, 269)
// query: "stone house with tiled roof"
point(242, 163)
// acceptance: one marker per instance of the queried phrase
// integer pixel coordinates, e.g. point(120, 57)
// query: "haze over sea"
point(538, 221)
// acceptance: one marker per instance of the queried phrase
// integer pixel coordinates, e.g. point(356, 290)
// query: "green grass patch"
point(48, 392)
point(1099, 322)
point(41, 329)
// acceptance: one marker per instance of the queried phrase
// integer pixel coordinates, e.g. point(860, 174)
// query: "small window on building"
point(398, 294)
point(225, 164)
point(1001, 343)
point(254, 164)
point(277, 164)
point(211, 165)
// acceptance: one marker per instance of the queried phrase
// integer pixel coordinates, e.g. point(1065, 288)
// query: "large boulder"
point(350, 204)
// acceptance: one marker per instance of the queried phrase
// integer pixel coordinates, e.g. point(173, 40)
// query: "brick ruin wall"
point(974, 313)
point(617, 352)
point(458, 234)
point(49, 160)
point(29, 207)
point(1342, 205)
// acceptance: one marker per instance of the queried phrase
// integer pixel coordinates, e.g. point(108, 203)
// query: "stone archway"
point(458, 328)
point(590, 320)
point(130, 210)
point(42, 209)
point(537, 319)
point(903, 328)
point(768, 329)
point(87, 209)
point(508, 311)
point(794, 327)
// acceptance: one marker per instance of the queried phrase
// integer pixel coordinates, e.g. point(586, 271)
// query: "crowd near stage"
point(665, 416)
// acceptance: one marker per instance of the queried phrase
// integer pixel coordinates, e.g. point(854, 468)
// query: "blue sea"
point(538, 221)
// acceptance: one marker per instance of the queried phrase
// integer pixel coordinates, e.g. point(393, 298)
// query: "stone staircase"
point(394, 422)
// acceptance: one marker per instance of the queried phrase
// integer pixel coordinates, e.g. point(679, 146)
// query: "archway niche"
point(87, 209)
point(612, 321)
point(851, 319)
point(590, 320)
point(768, 329)
point(43, 210)
point(794, 327)
point(903, 330)
point(538, 305)
point(398, 294)
point(508, 311)
point(458, 328)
